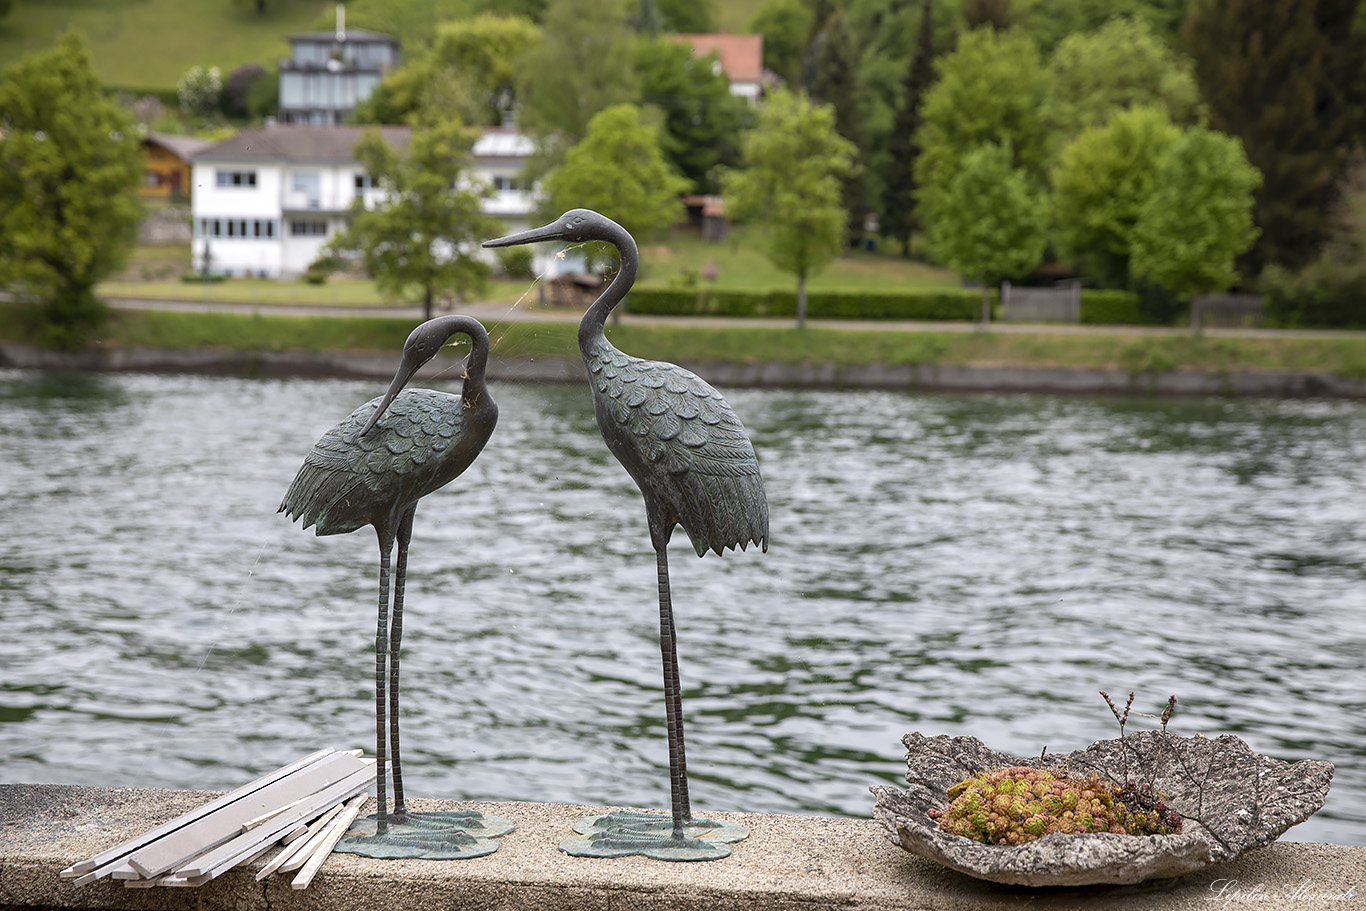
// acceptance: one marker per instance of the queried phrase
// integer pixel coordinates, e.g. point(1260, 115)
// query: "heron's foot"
point(453, 835)
point(621, 833)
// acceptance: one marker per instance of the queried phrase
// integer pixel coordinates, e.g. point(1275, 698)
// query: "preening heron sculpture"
point(687, 451)
point(371, 469)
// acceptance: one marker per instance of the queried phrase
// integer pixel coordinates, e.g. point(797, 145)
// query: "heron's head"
point(574, 226)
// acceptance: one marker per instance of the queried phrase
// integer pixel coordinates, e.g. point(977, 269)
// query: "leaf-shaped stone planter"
point(1231, 799)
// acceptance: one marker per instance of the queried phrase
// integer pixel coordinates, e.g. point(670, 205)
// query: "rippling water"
point(949, 564)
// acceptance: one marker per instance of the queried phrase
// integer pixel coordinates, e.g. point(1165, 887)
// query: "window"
point(237, 178)
point(300, 228)
point(236, 227)
point(364, 182)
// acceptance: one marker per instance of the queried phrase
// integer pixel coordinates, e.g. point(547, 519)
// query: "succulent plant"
point(1019, 804)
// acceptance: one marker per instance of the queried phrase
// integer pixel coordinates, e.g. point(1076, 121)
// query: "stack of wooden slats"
point(326, 789)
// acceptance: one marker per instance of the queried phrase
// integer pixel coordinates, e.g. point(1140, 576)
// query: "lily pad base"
point(622, 833)
point(453, 835)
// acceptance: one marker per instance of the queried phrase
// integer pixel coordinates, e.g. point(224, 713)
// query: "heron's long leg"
point(381, 652)
point(405, 534)
point(673, 699)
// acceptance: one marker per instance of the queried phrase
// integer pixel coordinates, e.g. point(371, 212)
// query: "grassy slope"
point(150, 43)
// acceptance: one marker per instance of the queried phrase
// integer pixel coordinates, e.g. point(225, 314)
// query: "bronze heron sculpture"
point(371, 469)
point(688, 453)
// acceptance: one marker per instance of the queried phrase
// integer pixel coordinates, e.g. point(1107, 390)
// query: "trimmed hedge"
point(872, 305)
point(1098, 307)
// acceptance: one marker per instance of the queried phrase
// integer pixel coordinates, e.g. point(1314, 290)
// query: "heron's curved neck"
point(475, 387)
point(592, 328)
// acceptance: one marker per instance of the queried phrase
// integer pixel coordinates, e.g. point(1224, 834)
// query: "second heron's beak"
point(535, 235)
point(405, 373)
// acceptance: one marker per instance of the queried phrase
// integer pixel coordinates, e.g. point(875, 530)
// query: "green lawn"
point(150, 43)
point(336, 292)
point(742, 266)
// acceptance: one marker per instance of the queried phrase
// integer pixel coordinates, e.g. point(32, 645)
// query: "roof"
point(742, 56)
point(503, 142)
point(300, 142)
point(181, 146)
point(335, 144)
point(351, 34)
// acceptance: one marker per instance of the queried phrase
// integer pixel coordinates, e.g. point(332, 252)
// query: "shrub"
point(516, 262)
point(1323, 296)
point(1113, 308)
point(236, 89)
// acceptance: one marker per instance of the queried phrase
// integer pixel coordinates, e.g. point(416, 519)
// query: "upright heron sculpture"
point(371, 469)
point(687, 451)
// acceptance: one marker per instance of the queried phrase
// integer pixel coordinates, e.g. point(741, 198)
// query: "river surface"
point(952, 564)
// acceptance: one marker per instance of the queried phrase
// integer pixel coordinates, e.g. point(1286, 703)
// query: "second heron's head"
point(574, 226)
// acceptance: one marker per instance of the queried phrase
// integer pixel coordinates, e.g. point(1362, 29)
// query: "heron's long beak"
point(405, 373)
point(535, 235)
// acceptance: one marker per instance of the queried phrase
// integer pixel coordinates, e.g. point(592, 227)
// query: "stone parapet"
point(789, 863)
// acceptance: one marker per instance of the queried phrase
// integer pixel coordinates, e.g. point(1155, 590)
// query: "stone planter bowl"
point(1232, 800)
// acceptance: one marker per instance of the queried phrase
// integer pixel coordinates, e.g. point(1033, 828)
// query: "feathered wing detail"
point(347, 483)
point(685, 448)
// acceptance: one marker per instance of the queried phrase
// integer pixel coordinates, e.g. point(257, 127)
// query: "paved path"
point(495, 313)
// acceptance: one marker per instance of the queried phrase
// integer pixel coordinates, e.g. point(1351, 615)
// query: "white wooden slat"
point(122, 850)
point(224, 856)
point(301, 845)
point(167, 854)
point(253, 823)
point(335, 832)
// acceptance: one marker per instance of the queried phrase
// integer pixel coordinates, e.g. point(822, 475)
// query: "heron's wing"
point(348, 481)
point(676, 434)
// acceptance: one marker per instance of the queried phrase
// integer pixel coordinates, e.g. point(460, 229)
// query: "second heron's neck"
point(593, 325)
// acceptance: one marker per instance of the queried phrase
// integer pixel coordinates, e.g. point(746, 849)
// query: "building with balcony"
point(328, 73)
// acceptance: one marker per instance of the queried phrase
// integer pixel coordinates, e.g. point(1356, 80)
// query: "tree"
point(688, 16)
point(1198, 217)
point(198, 90)
point(1122, 64)
point(702, 119)
point(898, 199)
point(1280, 76)
point(794, 163)
point(583, 65)
point(785, 25)
point(1102, 181)
point(70, 165)
point(422, 236)
point(989, 92)
point(996, 225)
point(471, 68)
point(618, 170)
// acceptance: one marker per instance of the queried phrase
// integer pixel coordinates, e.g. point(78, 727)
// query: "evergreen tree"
point(1273, 76)
point(702, 119)
point(832, 78)
point(898, 201)
point(70, 165)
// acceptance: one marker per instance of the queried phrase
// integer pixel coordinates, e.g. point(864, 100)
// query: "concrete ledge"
point(789, 863)
point(903, 377)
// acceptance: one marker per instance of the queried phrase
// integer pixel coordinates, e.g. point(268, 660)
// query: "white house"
point(267, 200)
